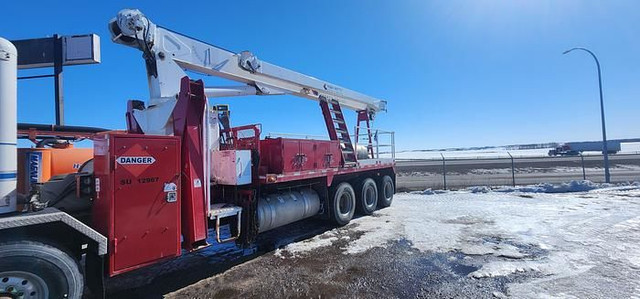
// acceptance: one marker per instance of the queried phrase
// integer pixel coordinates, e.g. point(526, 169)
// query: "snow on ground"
point(498, 152)
point(528, 170)
point(582, 244)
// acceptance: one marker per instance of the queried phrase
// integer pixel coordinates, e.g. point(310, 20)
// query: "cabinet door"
point(146, 219)
point(290, 152)
point(307, 155)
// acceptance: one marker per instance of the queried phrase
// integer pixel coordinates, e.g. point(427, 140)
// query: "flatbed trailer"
point(180, 170)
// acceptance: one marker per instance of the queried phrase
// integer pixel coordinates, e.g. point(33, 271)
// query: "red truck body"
point(130, 208)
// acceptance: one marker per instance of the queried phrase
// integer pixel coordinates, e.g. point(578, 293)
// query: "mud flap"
point(94, 272)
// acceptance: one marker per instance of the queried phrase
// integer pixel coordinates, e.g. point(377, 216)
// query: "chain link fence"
point(457, 173)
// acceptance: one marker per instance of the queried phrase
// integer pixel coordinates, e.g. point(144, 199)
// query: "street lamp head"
point(567, 51)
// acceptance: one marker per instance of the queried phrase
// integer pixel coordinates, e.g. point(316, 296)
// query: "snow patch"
point(572, 186)
point(299, 248)
point(561, 236)
point(428, 192)
point(502, 268)
point(376, 231)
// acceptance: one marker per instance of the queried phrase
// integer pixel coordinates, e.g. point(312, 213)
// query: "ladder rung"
point(338, 121)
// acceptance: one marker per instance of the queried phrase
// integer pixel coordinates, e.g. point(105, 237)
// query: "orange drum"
point(38, 165)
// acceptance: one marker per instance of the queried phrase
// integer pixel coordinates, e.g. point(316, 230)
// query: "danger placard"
point(125, 160)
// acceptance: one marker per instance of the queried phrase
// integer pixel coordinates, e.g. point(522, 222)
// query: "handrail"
point(376, 140)
point(306, 136)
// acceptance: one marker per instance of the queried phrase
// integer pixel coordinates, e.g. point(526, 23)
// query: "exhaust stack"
point(8, 125)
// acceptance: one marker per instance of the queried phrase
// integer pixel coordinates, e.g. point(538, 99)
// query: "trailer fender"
point(50, 216)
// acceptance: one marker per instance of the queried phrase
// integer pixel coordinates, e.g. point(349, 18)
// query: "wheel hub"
point(18, 284)
point(345, 205)
point(369, 196)
point(388, 191)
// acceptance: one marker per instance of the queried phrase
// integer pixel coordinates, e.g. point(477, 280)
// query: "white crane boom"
point(168, 54)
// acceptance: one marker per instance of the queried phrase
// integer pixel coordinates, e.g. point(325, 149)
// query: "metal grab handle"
point(233, 237)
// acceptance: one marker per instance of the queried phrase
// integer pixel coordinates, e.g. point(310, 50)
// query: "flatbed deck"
point(362, 165)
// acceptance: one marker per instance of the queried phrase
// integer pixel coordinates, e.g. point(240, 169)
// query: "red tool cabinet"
point(137, 204)
point(284, 155)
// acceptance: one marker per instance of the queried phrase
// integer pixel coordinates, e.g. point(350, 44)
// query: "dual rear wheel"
point(368, 195)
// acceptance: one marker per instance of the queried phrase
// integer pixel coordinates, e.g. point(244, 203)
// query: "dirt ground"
point(397, 271)
point(449, 245)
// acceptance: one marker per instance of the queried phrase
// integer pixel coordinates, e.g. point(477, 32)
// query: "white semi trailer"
point(576, 148)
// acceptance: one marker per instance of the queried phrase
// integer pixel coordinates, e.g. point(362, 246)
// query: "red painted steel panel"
point(290, 155)
point(270, 159)
point(328, 155)
point(187, 123)
point(102, 213)
point(131, 208)
point(307, 155)
point(283, 156)
point(328, 172)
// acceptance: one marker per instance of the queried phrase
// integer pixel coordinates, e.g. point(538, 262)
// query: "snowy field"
point(497, 152)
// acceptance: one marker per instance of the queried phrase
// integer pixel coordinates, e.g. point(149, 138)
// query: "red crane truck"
point(181, 172)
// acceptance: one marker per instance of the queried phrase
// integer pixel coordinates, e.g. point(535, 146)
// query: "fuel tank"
point(278, 209)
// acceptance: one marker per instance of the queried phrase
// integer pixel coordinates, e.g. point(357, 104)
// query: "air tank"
point(8, 125)
point(362, 152)
point(278, 209)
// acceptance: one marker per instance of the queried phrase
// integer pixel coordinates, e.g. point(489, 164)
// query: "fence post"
point(513, 170)
point(584, 174)
point(444, 171)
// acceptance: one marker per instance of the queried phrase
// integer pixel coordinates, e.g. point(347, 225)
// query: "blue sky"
point(455, 73)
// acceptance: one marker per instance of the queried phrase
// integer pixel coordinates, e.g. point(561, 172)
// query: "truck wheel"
point(386, 192)
point(30, 269)
point(367, 194)
point(343, 204)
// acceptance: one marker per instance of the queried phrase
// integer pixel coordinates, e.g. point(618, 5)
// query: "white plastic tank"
point(8, 125)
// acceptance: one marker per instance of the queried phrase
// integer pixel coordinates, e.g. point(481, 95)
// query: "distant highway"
point(420, 174)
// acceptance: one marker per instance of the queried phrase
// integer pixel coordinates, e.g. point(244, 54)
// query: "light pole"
point(605, 150)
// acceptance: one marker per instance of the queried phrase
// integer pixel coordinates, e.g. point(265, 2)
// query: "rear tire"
point(367, 196)
point(343, 204)
point(386, 191)
point(38, 270)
